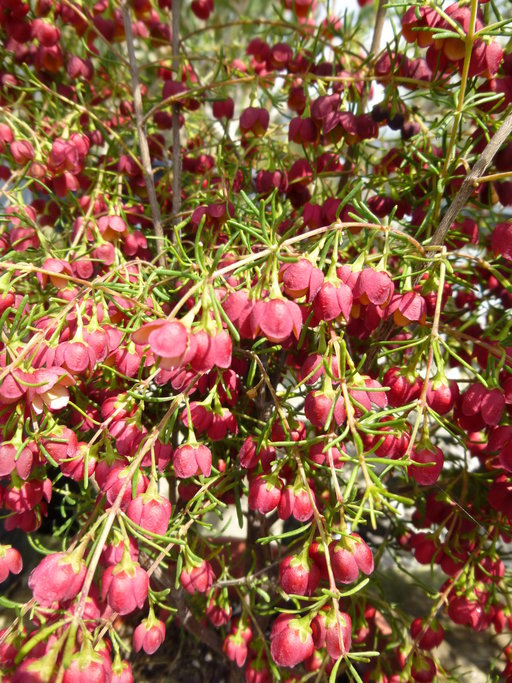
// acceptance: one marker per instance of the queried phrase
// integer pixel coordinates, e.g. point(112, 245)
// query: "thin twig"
point(143, 140)
point(264, 253)
point(434, 334)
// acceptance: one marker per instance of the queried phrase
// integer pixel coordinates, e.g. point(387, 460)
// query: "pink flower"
point(150, 511)
point(295, 501)
point(488, 404)
point(168, 339)
point(211, 350)
point(254, 120)
point(112, 227)
point(125, 586)
point(331, 301)
point(122, 673)
point(199, 578)
point(374, 286)
point(10, 562)
point(318, 406)
point(300, 279)
point(191, 460)
point(149, 635)
point(84, 669)
point(50, 390)
point(223, 108)
point(22, 151)
point(57, 578)
point(276, 319)
point(116, 479)
point(430, 464)
point(265, 493)
point(298, 575)
point(338, 644)
point(291, 640)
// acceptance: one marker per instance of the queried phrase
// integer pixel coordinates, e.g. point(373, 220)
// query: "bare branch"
point(176, 147)
point(143, 140)
point(374, 50)
point(470, 181)
point(386, 329)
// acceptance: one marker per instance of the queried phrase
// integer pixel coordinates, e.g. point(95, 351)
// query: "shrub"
point(254, 270)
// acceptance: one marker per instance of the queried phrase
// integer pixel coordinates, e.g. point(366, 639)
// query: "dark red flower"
point(501, 240)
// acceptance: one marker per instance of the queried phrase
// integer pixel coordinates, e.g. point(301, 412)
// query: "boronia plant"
point(255, 338)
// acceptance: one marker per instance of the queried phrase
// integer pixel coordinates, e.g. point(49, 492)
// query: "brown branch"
point(374, 49)
point(378, 28)
point(176, 148)
point(469, 183)
point(143, 140)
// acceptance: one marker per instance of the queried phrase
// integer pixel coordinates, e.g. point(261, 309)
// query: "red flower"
point(301, 279)
point(407, 308)
point(264, 493)
point(202, 8)
point(442, 394)
point(402, 388)
point(121, 672)
point(87, 667)
point(168, 339)
point(501, 240)
point(22, 151)
point(295, 502)
point(343, 562)
point(433, 634)
point(374, 286)
point(254, 120)
point(332, 301)
point(338, 636)
point(318, 406)
point(150, 511)
point(487, 403)
point(430, 463)
point(298, 575)
point(276, 319)
point(50, 390)
point(235, 645)
point(223, 109)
